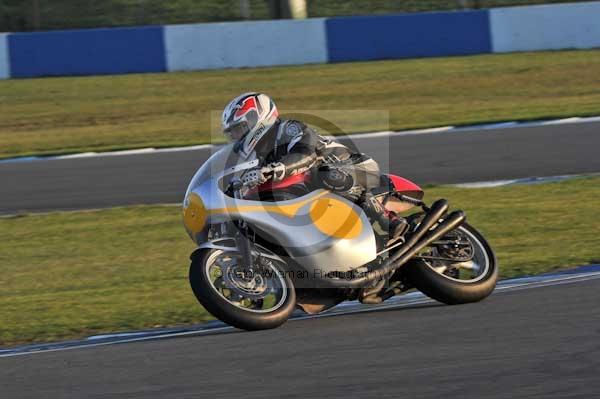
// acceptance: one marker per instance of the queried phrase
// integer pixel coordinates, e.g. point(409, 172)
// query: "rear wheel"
point(256, 299)
point(458, 268)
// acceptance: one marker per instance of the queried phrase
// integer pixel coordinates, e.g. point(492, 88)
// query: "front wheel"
point(256, 299)
point(458, 268)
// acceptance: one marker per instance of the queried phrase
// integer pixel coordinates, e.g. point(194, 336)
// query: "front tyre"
point(459, 268)
point(259, 299)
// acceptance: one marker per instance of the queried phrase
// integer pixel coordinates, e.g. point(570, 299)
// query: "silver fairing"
point(321, 231)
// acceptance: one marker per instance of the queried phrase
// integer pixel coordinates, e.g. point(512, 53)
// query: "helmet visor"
point(237, 131)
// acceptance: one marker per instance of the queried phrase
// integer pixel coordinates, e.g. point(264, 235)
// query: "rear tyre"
point(446, 281)
point(250, 302)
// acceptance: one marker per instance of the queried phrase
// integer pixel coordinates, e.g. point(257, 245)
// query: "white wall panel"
point(4, 61)
point(245, 44)
point(546, 27)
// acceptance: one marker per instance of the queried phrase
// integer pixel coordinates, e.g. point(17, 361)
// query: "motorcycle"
point(258, 257)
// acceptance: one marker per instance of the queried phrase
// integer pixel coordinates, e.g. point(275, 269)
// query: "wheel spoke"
point(470, 265)
point(467, 259)
point(262, 292)
point(218, 283)
point(224, 264)
point(257, 304)
point(450, 242)
point(441, 269)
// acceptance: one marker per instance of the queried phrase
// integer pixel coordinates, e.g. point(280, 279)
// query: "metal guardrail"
point(32, 15)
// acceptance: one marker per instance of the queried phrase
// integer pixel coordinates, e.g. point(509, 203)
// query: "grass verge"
point(70, 14)
point(56, 115)
point(67, 275)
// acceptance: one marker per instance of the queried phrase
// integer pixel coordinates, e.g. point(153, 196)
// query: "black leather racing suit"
point(300, 148)
point(291, 143)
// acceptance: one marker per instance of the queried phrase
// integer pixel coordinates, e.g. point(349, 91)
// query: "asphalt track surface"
point(535, 343)
point(445, 157)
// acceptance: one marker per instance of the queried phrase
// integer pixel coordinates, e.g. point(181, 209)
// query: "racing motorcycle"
point(264, 251)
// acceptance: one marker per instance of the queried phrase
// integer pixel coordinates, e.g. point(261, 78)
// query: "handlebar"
point(267, 171)
point(236, 185)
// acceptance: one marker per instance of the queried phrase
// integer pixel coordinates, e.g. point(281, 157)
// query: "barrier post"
point(35, 15)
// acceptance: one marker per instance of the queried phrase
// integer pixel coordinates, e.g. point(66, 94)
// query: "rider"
point(290, 147)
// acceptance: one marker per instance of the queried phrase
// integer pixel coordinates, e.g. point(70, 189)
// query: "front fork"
point(242, 237)
point(243, 243)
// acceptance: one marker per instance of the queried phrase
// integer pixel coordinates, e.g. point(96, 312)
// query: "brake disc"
point(456, 247)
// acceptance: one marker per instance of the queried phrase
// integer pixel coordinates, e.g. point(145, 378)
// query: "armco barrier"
point(265, 43)
point(235, 45)
point(4, 62)
point(408, 35)
point(87, 52)
point(546, 27)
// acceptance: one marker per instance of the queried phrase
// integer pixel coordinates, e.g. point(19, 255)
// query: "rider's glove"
point(257, 176)
point(254, 177)
point(277, 170)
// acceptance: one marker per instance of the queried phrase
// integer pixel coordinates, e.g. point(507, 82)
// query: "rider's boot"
point(395, 225)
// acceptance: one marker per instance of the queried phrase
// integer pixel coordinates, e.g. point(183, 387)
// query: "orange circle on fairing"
point(335, 218)
point(194, 213)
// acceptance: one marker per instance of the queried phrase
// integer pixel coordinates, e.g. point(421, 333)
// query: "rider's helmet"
point(247, 118)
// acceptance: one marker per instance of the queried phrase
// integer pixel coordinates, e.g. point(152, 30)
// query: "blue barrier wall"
point(87, 52)
point(408, 35)
point(265, 43)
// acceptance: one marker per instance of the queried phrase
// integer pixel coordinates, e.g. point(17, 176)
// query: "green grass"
point(67, 275)
point(67, 14)
point(57, 115)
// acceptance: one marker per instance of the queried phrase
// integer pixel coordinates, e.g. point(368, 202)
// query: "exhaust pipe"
point(421, 237)
point(437, 210)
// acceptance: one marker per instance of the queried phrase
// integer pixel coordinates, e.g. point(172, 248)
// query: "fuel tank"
point(321, 231)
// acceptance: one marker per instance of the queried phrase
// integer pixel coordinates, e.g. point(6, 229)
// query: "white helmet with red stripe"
point(247, 118)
